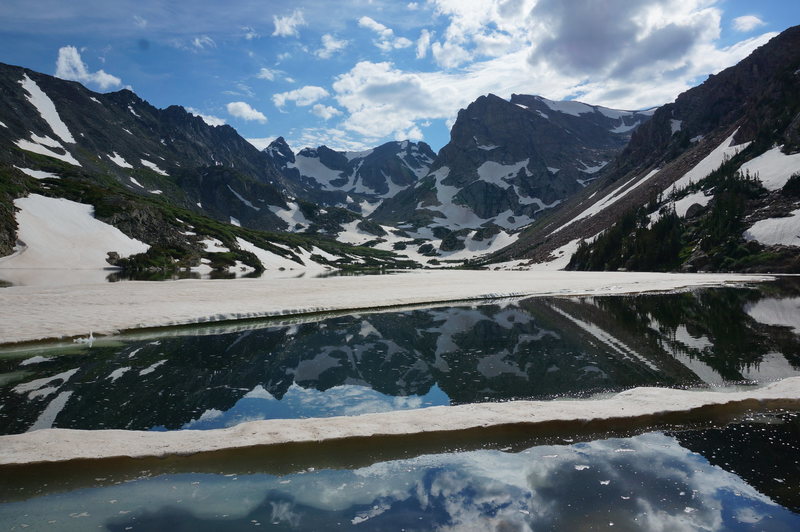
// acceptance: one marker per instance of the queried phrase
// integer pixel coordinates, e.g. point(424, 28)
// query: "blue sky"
point(352, 74)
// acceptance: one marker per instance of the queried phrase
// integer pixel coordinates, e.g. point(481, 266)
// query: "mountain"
point(150, 151)
point(356, 180)
point(162, 176)
point(506, 164)
point(706, 184)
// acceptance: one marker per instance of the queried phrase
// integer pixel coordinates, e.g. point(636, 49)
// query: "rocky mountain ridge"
point(507, 163)
point(715, 166)
point(355, 180)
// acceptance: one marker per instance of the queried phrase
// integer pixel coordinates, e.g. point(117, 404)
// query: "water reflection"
point(530, 349)
point(653, 481)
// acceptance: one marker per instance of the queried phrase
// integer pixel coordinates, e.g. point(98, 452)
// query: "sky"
point(353, 74)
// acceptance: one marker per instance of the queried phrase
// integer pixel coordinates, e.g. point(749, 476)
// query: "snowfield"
point(30, 313)
point(58, 445)
point(772, 231)
point(56, 233)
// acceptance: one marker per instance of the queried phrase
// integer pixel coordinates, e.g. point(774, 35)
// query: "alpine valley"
point(708, 182)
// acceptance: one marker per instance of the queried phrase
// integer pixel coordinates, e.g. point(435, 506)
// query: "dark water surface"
point(742, 475)
point(537, 348)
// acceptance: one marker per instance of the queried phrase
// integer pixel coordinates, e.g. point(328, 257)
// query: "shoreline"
point(65, 445)
point(36, 314)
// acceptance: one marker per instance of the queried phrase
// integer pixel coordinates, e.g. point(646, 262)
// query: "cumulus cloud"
point(449, 55)
point(245, 112)
point(386, 39)
point(302, 97)
point(211, 120)
point(330, 45)
point(69, 65)
point(747, 23)
point(288, 26)
point(325, 112)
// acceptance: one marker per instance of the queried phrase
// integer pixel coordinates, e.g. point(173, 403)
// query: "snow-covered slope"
point(55, 233)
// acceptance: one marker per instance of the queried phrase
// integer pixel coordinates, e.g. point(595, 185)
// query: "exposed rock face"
point(744, 119)
point(509, 161)
point(349, 179)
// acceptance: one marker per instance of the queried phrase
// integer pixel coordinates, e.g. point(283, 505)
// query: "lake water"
point(739, 476)
point(699, 477)
point(538, 348)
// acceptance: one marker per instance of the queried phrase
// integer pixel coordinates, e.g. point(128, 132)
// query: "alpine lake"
point(724, 469)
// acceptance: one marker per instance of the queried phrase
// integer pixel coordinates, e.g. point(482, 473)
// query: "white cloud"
point(414, 134)
point(139, 22)
point(302, 97)
point(412, 6)
point(372, 24)
point(449, 55)
point(261, 142)
point(330, 45)
point(69, 65)
point(386, 40)
point(747, 23)
point(250, 33)
point(334, 138)
point(423, 43)
point(202, 42)
point(268, 74)
point(325, 112)
point(245, 112)
point(288, 26)
point(211, 120)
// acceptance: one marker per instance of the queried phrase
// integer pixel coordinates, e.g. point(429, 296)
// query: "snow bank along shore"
point(59, 445)
point(30, 313)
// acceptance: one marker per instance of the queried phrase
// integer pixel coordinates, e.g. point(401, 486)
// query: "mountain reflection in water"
point(536, 348)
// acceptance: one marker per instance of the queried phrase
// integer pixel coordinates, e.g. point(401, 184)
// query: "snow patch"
point(496, 173)
point(44, 149)
point(59, 233)
point(270, 260)
point(292, 216)
point(773, 231)
point(243, 200)
point(47, 109)
point(153, 166)
point(710, 163)
point(617, 194)
point(213, 245)
point(697, 198)
point(37, 174)
point(119, 161)
point(773, 168)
